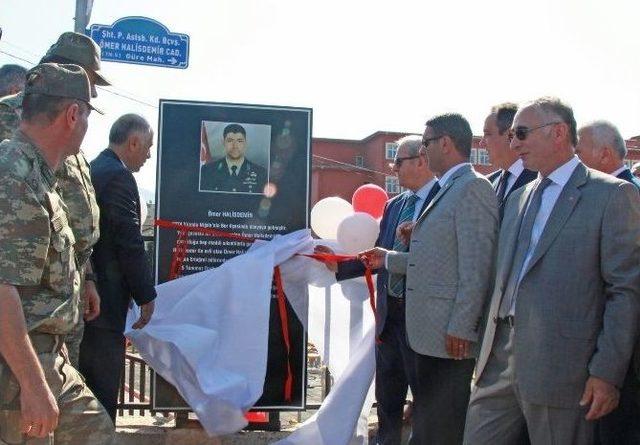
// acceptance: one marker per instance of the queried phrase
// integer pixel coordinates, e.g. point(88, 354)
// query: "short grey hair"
point(554, 106)
point(412, 142)
point(11, 76)
point(604, 133)
point(125, 126)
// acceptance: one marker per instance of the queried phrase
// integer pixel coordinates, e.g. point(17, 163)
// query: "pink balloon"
point(370, 199)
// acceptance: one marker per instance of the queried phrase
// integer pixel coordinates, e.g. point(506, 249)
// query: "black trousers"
point(395, 371)
point(622, 425)
point(441, 399)
point(101, 362)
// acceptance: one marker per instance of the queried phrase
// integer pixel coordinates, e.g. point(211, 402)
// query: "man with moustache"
point(563, 316)
point(395, 360)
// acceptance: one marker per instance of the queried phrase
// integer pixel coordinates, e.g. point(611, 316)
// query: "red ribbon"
point(368, 275)
point(180, 253)
point(175, 271)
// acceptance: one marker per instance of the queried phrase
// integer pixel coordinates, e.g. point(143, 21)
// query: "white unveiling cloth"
point(198, 339)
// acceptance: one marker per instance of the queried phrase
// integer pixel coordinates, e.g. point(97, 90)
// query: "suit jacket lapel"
point(393, 221)
point(509, 235)
point(565, 204)
point(461, 171)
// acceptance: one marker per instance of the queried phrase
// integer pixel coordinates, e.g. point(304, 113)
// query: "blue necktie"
point(522, 248)
point(396, 281)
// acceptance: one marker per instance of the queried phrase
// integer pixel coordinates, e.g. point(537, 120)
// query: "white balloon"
point(358, 232)
point(327, 214)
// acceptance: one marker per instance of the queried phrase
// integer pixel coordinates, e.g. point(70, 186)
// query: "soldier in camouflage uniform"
point(74, 178)
point(11, 83)
point(43, 399)
point(10, 107)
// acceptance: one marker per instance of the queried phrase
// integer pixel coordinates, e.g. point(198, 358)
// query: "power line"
point(110, 90)
point(17, 57)
point(351, 165)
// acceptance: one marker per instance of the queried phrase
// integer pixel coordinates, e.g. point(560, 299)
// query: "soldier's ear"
point(72, 114)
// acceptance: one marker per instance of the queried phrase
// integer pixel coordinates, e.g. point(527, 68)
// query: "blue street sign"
point(143, 41)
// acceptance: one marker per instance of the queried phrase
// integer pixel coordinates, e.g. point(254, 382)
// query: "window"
point(483, 157)
point(391, 184)
point(359, 161)
point(390, 149)
point(473, 158)
point(479, 156)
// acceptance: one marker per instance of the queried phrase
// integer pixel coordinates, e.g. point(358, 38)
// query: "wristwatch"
point(90, 276)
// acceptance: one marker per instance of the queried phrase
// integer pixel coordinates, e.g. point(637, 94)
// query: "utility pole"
point(83, 14)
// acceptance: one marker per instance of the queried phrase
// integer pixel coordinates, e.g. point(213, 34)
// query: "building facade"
point(340, 166)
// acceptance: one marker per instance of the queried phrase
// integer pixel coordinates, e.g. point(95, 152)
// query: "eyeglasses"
point(397, 162)
point(427, 141)
point(521, 132)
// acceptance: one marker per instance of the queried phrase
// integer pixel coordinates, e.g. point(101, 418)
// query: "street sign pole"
point(83, 14)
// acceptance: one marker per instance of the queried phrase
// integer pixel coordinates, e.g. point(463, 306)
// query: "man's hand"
point(39, 410)
point(331, 265)
point(457, 348)
point(403, 231)
point(373, 258)
point(146, 312)
point(91, 301)
point(602, 395)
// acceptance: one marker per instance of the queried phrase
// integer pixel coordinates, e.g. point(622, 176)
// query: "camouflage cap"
point(52, 79)
point(80, 50)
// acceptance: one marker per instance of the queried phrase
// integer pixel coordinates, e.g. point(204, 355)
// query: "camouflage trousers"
point(73, 338)
point(82, 418)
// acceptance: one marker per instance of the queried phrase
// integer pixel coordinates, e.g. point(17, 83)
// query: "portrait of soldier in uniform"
point(233, 172)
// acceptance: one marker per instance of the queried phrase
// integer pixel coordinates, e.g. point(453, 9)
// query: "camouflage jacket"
point(36, 242)
point(10, 108)
point(74, 184)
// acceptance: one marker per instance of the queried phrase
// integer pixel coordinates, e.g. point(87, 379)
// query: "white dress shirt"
point(618, 171)
point(422, 194)
point(516, 170)
point(443, 180)
point(559, 178)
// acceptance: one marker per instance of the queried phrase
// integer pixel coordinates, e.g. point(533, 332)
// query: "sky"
point(362, 66)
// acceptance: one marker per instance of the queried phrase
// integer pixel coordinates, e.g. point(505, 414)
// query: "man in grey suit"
point(448, 271)
point(564, 310)
point(601, 146)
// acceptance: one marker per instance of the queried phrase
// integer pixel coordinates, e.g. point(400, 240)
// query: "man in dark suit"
point(564, 312)
point(118, 258)
point(511, 174)
point(395, 367)
point(234, 172)
point(601, 147)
